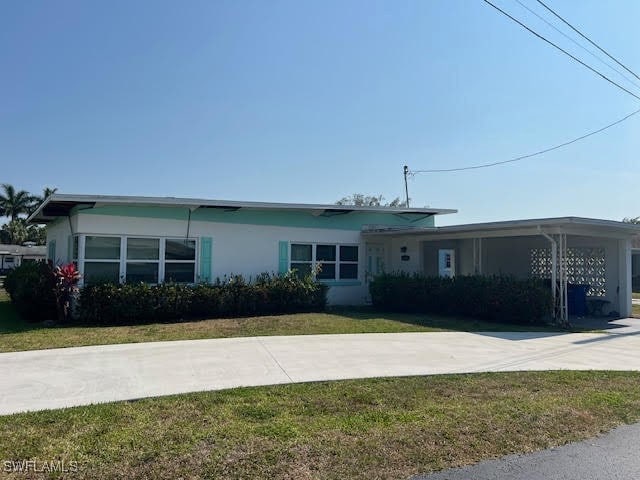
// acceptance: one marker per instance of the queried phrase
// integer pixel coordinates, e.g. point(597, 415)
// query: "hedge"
point(31, 289)
point(134, 303)
point(494, 298)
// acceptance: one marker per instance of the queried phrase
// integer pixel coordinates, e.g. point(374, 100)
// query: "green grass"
point(356, 429)
point(635, 310)
point(16, 335)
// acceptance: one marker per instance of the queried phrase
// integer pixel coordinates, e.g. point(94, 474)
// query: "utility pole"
point(406, 187)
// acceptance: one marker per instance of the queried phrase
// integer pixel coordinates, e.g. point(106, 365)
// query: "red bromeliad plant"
point(66, 285)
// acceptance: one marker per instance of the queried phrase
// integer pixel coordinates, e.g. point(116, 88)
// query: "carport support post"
point(554, 268)
point(624, 277)
point(560, 310)
point(477, 256)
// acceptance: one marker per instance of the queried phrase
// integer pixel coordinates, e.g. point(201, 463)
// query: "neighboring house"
point(190, 240)
point(12, 256)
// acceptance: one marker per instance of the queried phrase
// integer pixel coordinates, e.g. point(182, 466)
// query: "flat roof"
point(61, 204)
point(556, 222)
point(7, 249)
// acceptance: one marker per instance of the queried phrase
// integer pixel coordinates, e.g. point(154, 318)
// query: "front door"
point(446, 262)
point(375, 260)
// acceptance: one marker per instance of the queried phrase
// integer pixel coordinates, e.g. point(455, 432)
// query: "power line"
point(529, 155)
point(562, 50)
point(589, 40)
point(571, 39)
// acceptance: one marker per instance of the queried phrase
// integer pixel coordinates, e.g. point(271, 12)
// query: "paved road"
point(614, 456)
point(65, 377)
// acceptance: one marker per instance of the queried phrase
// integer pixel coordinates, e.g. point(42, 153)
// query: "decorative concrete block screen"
point(584, 265)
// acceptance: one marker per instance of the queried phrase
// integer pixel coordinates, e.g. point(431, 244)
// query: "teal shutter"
point(52, 251)
point(206, 247)
point(69, 249)
point(283, 257)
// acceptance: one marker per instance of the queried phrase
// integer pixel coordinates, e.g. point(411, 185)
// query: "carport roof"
point(532, 226)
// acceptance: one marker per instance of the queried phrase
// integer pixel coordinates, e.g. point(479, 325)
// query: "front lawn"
point(16, 335)
point(357, 429)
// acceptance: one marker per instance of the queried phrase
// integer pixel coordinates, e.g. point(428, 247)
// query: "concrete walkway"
point(614, 456)
point(45, 379)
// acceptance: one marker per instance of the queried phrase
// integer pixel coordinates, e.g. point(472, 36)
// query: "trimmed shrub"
point(496, 298)
point(134, 303)
point(31, 289)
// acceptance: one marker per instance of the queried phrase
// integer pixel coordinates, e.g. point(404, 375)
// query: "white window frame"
point(122, 261)
point(82, 243)
point(337, 261)
point(347, 262)
point(195, 261)
point(158, 261)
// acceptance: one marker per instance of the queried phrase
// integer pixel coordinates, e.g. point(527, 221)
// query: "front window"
point(302, 259)
point(102, 259)
point(137, 259)
point(143, 260)
point(180, 261)
point(335, 262)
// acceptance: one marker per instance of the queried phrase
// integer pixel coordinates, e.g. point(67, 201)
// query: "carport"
point(567, 251)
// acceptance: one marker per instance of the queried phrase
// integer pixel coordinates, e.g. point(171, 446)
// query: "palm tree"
point(13, 203)
point(36, 200)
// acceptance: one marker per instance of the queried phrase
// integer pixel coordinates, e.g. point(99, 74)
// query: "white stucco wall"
point(237, 248)
point(59, 231)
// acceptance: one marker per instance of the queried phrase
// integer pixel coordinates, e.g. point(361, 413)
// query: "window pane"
point(300, 253)
point(95, 272)
point(326, 253)
point(302, 269)
point(102, 248)
point(179, 272)
point(349, 254)
point(328, 271)
point(143, 248)
point(142, 272)
point(180, 250)
point(348, 271)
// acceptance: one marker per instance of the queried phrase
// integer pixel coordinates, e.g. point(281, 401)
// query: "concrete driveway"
point(56, 378)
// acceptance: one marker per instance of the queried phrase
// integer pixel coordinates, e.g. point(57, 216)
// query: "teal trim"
point(168, 213)
point(206, 254)
point(280, 218)
point(283, 257)
point(342, 283)
point(79, 208)
point(69, 248)
point(51, 253)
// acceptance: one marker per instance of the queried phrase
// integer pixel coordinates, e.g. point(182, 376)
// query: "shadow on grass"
point(460, 324)
point(10, 322)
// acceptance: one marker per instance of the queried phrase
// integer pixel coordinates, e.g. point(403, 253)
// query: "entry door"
point(446, 262)
point(375, 260)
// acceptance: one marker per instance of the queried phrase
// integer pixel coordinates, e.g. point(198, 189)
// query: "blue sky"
point(311, 101)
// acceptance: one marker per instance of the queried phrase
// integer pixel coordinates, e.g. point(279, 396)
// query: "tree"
point(361, 200)
point(14, 203)
point(15, 232)
point(36, 200)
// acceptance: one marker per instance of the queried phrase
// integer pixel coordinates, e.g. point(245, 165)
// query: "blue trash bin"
point(577, 299)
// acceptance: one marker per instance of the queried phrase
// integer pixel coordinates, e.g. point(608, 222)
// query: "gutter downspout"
point(554, 266)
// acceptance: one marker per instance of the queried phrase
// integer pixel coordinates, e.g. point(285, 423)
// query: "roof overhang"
point(514, 228)
point(61, 205)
